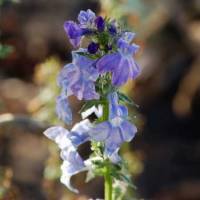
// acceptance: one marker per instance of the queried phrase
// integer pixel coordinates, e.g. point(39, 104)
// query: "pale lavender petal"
point(53, 132)
point(59, 135)
point(135, 70)
point(113, 105)
point(86, 18)
point(128, 36)
point(72, 165)
point(113, 142)
point(125, 48)
point(80, 60)
point(78, 78)
point(89, 91)
point(67, 73)
point(114, 157)
point(122, 111)
point(79, 133)
point(63, 109)
point(128, 130)
point(78, 88)
point(101, 131)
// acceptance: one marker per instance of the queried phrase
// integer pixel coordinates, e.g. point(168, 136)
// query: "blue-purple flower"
point(74, 33)
point(109, 50)
point(120, 63)
point(116, 130)
point(86, 18)
point(78, 77)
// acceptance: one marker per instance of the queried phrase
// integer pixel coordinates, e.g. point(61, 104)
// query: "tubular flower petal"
point(121, 63)
point(73, 32)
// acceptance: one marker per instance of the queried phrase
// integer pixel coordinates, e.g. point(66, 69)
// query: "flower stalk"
point(107, 184)
point(107, 173)
point(94, 75)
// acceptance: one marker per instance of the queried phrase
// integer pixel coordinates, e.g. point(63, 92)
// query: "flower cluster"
point(95, 74)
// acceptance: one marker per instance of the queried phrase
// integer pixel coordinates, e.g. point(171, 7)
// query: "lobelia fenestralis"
point(95, 75)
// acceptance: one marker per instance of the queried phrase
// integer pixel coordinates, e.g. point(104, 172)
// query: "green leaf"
point(91, 56)
point(127, 179)
point(86, 106)
point(125, 99)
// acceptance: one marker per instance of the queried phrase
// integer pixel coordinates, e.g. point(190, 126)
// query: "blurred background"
point(164, 157)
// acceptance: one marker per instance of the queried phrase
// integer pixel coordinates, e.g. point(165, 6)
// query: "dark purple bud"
point(93, 47)
point(112, 29)
point(99, 21)
point(86, 31)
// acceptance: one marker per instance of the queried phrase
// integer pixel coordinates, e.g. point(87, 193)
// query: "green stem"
point(107, 184)
point(107, 175)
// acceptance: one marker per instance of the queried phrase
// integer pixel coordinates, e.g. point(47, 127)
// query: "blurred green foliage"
point(5, 50)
